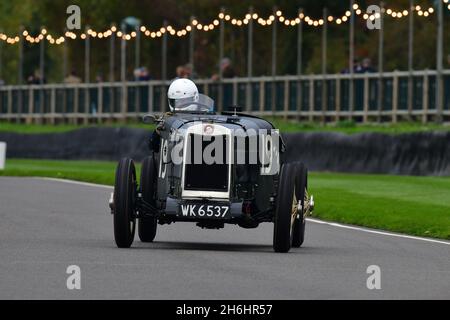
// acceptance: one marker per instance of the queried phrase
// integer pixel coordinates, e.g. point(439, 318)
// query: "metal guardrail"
point(388, 96)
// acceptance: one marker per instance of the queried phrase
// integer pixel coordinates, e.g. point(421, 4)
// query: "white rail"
point(294, 96)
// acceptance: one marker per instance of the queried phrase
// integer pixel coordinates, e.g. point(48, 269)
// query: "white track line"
point(333, 224)
point(384, 233)
point(86, 184)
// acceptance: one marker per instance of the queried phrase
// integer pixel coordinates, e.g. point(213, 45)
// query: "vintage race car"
point(212, 169)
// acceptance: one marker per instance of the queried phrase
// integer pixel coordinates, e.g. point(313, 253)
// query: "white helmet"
point(181, 91)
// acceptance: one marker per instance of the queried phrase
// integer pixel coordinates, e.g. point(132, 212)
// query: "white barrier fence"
point(391, 96)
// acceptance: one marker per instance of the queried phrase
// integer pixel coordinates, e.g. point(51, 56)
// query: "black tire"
point(282, 233)
point(147, 226)
point(301, 185)
point(124, 203)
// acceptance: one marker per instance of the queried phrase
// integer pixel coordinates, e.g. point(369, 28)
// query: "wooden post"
point(425, 97)
point(439, 62)
point(220, 104)
point(52, 105)
point(324, 65)
point(351, 90)
point(235, 92)
point(123, 76)
point(274, 59)
point(338, 99)
point(366, 99)
point(410, 57)
point(206, 88)
point(299, 63)
point(261, 96)
point(395, 97)
point(9, 105)
point(249, 95)
point(30, 105)
point(76, 107)
point(286, 99)
point(100, 103)
point(86, 106)
point(380, 63)
point(150, 98)
point(311, 99)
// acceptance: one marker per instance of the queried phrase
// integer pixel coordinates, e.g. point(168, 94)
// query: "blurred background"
point(386, 65)
point(101, 14)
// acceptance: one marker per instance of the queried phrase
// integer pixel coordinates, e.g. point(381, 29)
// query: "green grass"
point(88, 171)
point(413, 205)
point(60, 128)
point(347, 127)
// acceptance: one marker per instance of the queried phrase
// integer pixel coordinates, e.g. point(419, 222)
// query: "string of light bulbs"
point(227, 18)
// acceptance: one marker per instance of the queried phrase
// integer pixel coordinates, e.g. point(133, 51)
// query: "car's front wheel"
point(147, 225)
point(125, 203)
point(286, 209)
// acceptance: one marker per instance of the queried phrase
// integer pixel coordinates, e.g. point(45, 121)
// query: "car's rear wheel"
point(298, 233)
point(147, 225)
point(285, 206)
point(124, 203)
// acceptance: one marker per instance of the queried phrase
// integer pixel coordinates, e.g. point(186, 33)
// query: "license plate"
point(210, 211)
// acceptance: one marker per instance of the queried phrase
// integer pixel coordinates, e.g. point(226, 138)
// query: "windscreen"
point(200, 103)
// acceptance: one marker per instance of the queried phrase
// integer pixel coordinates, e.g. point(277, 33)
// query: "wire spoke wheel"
point(299, 223)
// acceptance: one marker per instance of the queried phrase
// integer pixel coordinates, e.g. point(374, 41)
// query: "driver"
point(180, 93)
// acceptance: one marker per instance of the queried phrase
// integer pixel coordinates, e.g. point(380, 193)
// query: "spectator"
point(189, 71)
point(366, 66)
point(72, 78)
point(99, 78)
point(136, 73)
point(35, 78)
point(356, 67)
point(144, 75)
point(226, 68)
point(181, 72)
point(141, 74)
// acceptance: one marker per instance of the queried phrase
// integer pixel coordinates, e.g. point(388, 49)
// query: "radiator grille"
point(202, 176)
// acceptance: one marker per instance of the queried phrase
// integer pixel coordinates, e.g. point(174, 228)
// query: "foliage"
point(100, 14)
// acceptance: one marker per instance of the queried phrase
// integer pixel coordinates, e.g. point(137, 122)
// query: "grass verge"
point(413, 205)
point(287, 126)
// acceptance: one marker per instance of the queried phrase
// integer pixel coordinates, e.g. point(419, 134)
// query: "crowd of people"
point(226, 68)
point(36, 78)
point(364, 66)
point(141, 74)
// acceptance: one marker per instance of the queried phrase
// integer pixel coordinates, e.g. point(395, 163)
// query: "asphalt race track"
point(48, 225)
